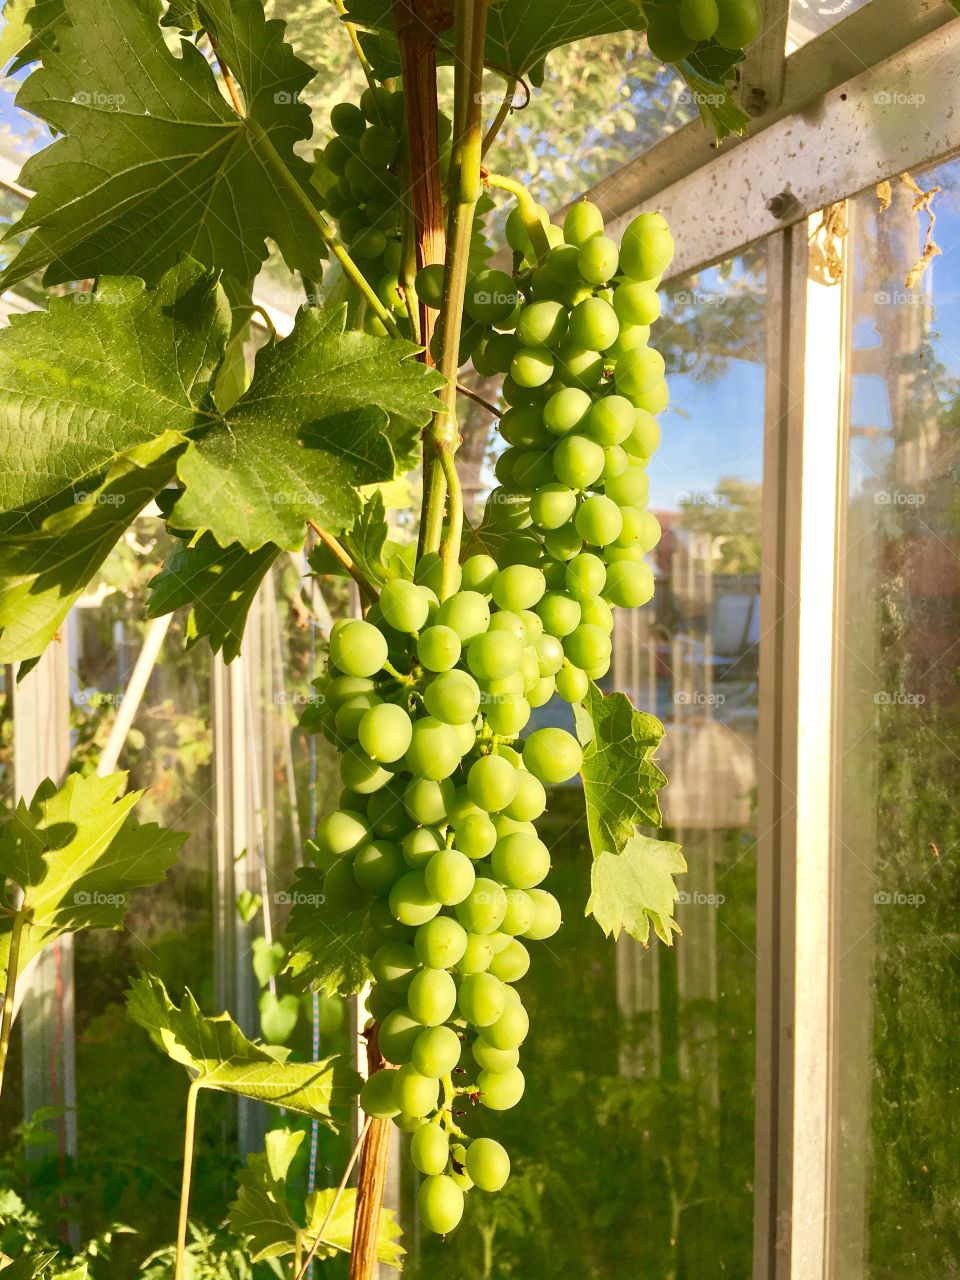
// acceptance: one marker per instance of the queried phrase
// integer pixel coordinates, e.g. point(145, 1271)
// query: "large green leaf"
point(217, 1055)
point(632, 875)
point(309, 430)
point(77, 854)
point(28, 1267)
point(153, 162)
point(520, 33)
point(323, 939)
point(218, 583)
point(261, 1213)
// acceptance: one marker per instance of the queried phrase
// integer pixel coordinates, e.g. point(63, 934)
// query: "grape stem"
point(465, 187)
point(528, 211)
point(358, 50)
point(506, 106)
point(446, 1112)
point(13, 963)
point(472, 395)
point(366, 588)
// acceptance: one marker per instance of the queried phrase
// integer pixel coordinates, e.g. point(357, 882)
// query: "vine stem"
point(374, 1153)
point(506, 106)
point(188, 1141)
point(304, 1267)
point(477, 399)
point(342, 556)
point(357, 48)
point(528, 211)
point(275, 163)
point(13, 964)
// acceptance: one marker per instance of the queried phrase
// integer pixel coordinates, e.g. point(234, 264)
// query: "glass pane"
point(899, 982)
point(809, 18)
point(633, 1147)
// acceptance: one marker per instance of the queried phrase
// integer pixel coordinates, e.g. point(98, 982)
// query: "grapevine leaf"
point(520, 33)
point(76, 854)
point(620, 780)
point(710, 76)
point(218, 583)
point(370, 546)
point(28, 1268)
point(308, 431)
point(324, 938)
point(635, 888)
point(278, 1016)
point(43, 573)
point(29, 31)
point(217, 1055)
point(261, 1213)
point(152, 161)
point(497, 530)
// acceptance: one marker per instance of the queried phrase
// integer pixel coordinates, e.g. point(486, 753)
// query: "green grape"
point(449, 876)
point(394, 965)
point(467, 613)
point(483, 909)
point(438, 648)
point(428, 802)
point(488, 1164)
point(385, 811)
point(475, 835)
point(490, 1059)
point(490, 296)
point(585, 576)
point(636, 302)
point(478, 954)
point(440, 943)
point(432, 996)
point(501, 1090)
point(611, 420)
point(370, 243)
point(377, 103)
point(360, 773)
point(646, 247)
point(560, 615)
point(598, 259)
point(518, 587)
point(542, 324)
point(433, 752)
point(385, 732)
point(481, 999)
point(564, 542)
point(348, 119)
point(666, 39)
point(629, 583)
point(494, 655)
point(578, 461)
point(405, 605)
point(644, 440)
point(632, 489)
point(639, 372)
point(436, 1052)
point(492, 783)
point(377, 1096)
point(552, 505)
point(430, 1150)
point(516, 232)
point(699, 19)
point(398, 1035)
point(553, 756)
point(340, 888)
point(588, 646)
point(377, 865)
point(655, 399)
point(428, 283)
point(411, 901)
point(597, 613)
point(531, 468)
point(582, 221)
point(549, 652)
point(508, 714)
point(739, 23)
point(513, 962)
point(416, 1094)
point(358, 649)
point(507, 620)
point(593, 325)
point(572, 684)
point(453, 697)
point(429, 573)
point(341, 831)
point(531, 799)
point(524, 427)
point(566, 409)
point(440, 1204)
point(510, 1029)
point(381, 1003)
point(615, 462)
point(343, 687)
point(499, 349)
point(598, 522)
point(351, 712)
point(519, 915)
point(378, 146)
point(530, 367)
point(521, 861)
point(479, 572)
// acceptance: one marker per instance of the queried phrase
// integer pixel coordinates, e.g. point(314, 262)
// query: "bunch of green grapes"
point(676, 27)
point(435, 843)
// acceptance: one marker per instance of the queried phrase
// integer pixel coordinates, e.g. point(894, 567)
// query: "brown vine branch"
point(372, 1180)
point(477, 399)
point(367, 590)
point(304, 1267)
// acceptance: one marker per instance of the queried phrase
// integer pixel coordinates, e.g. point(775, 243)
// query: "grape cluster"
point(435, 840)
point(676, 27)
